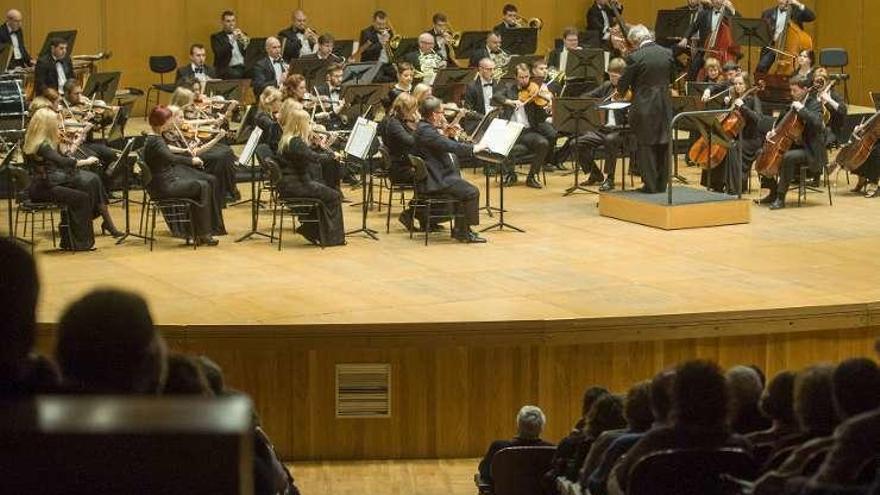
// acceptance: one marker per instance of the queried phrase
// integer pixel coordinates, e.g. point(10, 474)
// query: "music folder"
point(500, 136)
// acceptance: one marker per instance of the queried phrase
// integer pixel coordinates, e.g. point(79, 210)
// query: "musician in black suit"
point(510, 19)
point(558, 57)
point(493, 47)
point(649, 71)
point(298, 39)
point(11, 34)
point(482, 94)
point(813, 152)
point(608, 136)
point(330, 93)
point(538, 137)
point(196, 68)
point(600, 17)
point(229, 45)
point(374, 46)
point(442, 38)
point(53, 69)
point(444, 177)
point(271, 70)
point(324, 50)
point(778, 18)
point(704, 28)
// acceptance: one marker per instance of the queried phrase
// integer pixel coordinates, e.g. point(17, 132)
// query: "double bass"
point(619, 34)
point(724, 47)
point(790, 43)
point(855, 153)
point(709, 155)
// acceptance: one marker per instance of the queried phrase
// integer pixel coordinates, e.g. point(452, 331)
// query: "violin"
point(535, 93)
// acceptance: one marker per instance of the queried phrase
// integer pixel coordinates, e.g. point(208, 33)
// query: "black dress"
point(174, 177)
point(57, 179)
point(220, 162)
point(751, 139)
point(297, 159)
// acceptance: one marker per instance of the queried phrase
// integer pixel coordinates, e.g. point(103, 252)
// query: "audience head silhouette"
point(19, 288)
point(856, 387)
point(778, 400)
point(530, 422)
point(637, 407)
point(814, 401)
point(661, 395)
point(185, 377)
point(700, 395)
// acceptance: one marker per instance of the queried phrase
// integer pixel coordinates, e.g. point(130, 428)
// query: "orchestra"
point(780, 116)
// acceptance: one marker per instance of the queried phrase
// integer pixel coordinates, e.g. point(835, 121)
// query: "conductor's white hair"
point(638, 34)
point(530, 422)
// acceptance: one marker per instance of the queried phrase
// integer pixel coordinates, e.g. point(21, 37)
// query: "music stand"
point(68, 36)
point(751, 33)
point(709, 127)
point(247, 125)
point(229, 89)
point(255, 51)
point(248, 159)
point(471, 41)
point(124, 160)
point(672, 25)
point(360, 73)
point(8, 170)
point(117, 127)
point(102, 86)
point(501, 157)
point(586, 65)
point(357, 148)
point(520, 41)
point(406, 46)
point(576, 116)
point(310, 68)
point(455, 75)
point(343, 48)
point(510, 69)
point(360, 99)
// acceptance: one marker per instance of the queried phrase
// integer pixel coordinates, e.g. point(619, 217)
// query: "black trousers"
point(468, 197)
point(767, 59)
point(216, 225)
point(587, 145)
point(788, 170)
point(539, 141)
point(80, 212)
point(220, 162)
point(654, 166)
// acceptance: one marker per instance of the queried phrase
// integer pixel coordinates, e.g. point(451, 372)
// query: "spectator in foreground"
point(745, 387)
point(777, 403)
point(530, 423)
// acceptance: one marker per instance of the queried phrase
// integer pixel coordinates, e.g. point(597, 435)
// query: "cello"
point(855, 152)
point(709, 155)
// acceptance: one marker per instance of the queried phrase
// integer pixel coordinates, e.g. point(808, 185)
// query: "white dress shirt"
point(237, 56)
point(16, 47)
point(307, 48)
point(199, 72)
point(278, 67)
point(488, 92)
point(62, 77)
point(781, 23)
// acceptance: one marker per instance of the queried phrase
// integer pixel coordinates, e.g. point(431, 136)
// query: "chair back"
point(421, 170)
point(272, 169)
point(833, 57)
point(146, 173)
point(519, 470)
point(875, 99)
point(163, 64)
point(691, 472)
point(384, 158)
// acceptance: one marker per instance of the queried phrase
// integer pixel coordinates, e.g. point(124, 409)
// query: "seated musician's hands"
point(683, 43)
point(706, 94)
point(770, 135)
point(480, 147)
point(797, 106)
point(739, 102)
point(197, 162)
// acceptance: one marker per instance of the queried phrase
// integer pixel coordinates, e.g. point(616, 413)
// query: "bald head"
point(273, 47)
point(426, 43)
point(13, 19)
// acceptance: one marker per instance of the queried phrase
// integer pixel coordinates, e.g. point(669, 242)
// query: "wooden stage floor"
point(571, 263)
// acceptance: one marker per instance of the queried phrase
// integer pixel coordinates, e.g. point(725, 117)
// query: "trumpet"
point(241, 36)
point(534, 22)
point(311, 33)
point(452, 36)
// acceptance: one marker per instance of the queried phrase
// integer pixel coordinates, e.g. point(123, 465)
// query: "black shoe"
point(470, 237)
point(207, 241)
point(533, 182)
point(607, 185)
point(595, 179)
point(406, 220)
point(768, 199)
point(113, 231)
point(510, 179)
point(777, 204)
point(549, 167)
point(559, 166)
point(436, 227)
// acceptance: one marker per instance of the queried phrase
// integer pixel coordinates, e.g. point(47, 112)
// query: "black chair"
point(691, 472)
point(519, 470)
point(29, 208)
point(304, 210)
point(432, 207)
point(804, 187)
point(393, 187)
point(836, 58)
point(176, 211)
point(160, 64)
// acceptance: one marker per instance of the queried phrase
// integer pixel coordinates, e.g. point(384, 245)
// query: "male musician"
point(509, 18)
point(11, 34)
point(425, 59)
point(777, 18)
point(538, 136)
point(540, 71)
point(298, 39)
point(374, 46)
point(649, 71)
point(706, 27)
point(608, 136)
point(229, 46)
point(811, 152)
point(558, 58)
point(332, 90)
point(271, 70)
point(492, 49)
point(196, 69)
point(53, 69)
point(482, 94)
point(442, 38)
point(324, 51)
point(600, 17)
point(444, 177)
point(74, 106)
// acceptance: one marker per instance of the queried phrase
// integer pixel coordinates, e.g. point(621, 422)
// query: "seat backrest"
point(833, 57)
point(518, 470)
point(690, 472)
point(421, 171)
point(146, 173)
point(384, 158)
point(163, 64)
point(272, 167)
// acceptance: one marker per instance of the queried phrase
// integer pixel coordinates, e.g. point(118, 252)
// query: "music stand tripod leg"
point(364, 206)
point(255, 208)
point(126, 201)
point(501, 224)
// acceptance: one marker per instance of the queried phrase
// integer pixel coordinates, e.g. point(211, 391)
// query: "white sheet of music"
point(615, 105)
point(501, 135)
point(362, 136)
point(250, 146)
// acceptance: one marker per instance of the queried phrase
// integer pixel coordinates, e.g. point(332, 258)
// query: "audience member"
point(530, 423)
point(107, 345)
point(777, 403)
point(606, 415)
point(185, 377)
point(745, 386)
point(591, 395)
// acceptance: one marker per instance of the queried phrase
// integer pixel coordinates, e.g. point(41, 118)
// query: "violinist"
point(540, 73)
point(608, 136)
point(176, 175)
point(76, 106)
point(715, 76)
point(442, 38)
point(294, 88)
point(811, 151)
point(196, 68)
point(11, 34)
point(229, 45)
point(202, 138)
point(777, 19)
point(528, 104)
point(330, 93)
point(422, 91)
point(271, 70)
point(558, 58)
point(834, 106)
point(297, 159)
point(601, 18)
point(404, 82)
point(266, 119)
point(298, 39)
point(706, 28)
point(397, 132)
point(61, 179)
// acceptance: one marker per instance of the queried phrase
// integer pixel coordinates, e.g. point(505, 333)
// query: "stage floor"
point(570, 263)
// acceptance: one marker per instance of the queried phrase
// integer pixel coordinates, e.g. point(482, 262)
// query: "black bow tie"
point(200, 70)
point(277, 62)
point(487, 85)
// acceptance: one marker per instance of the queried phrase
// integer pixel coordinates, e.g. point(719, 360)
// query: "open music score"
point(500, 136)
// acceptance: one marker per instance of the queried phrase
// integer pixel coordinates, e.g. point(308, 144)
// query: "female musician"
point(266, 117)
point(397, 135)
point(296, 156)
point(218, 157)
point(174, 176)
point(58, 178)
point(869, 172)
point(404, 82)
point(295, 88)
point(805, 61)
point(834, 105)
point(749, 142)
point(422, 92)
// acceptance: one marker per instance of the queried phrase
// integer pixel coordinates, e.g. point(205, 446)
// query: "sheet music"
point(362, 136)
point(501, 135)
point(615, 105)
point(248, 151)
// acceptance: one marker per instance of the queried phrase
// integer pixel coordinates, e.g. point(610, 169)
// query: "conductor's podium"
point(691, 208)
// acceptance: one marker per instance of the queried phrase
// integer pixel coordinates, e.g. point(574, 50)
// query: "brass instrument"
point(311, 33)
point(430, 63)
point(241, 36)
point(502, 60)
point(453, 36)
point(534, 22)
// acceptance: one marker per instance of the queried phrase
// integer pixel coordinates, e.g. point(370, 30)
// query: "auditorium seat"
point(518, 470)
point(690, 472)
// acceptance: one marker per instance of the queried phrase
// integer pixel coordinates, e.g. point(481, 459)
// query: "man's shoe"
point(470, 237)
point(607, 185)
point(777, 204)
point(533, 182)
point(594, 179)
point(768, 199)
point(406, 220)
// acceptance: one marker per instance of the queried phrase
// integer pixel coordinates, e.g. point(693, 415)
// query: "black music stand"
point(117, 127)
point(672, 25)
point(681, 104)
point(360, 99)
point(248, 159)
point(503, 162)
point(229, 89)
point(455, 75)
point(311, 69)
point(343, 48)
point(751, 33)
point(67, 36)
point(520, 41)
point(405, 47)
point(102, 85)
point(255, 51)
point(587, 65)
point(247, 125)
point(363, 133)
point(360, 73)
point(471, 41)
point(576, 116)
point(126, 162)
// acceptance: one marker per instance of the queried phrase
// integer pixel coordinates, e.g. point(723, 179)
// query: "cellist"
point(709, 25)
point(778, 18)
point(810, 151)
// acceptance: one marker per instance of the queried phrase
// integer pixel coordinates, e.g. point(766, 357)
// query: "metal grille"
point(363, 390)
